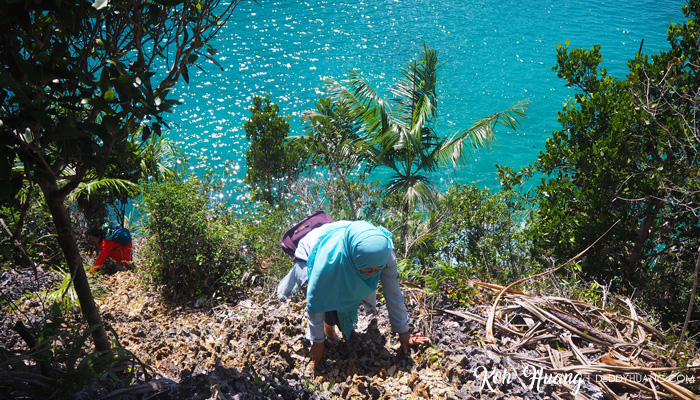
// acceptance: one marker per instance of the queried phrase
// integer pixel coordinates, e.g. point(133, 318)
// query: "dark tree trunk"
point(54, 199)
point(404, 228)
point(346, 187)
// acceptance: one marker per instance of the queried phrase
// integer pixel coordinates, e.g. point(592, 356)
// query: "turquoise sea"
point(497, 52)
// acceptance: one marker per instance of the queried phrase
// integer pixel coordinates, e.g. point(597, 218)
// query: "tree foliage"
point(332, 140)
point(28, 237)
point(271, 161)
point(78, 79)
point(187, 252)
point(476, 234)
point(160, 159)
point(627, 152)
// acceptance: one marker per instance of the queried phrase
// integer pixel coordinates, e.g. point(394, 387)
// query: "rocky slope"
point(257, 350)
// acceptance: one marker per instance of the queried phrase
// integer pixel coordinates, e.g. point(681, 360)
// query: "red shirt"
point(121, 253)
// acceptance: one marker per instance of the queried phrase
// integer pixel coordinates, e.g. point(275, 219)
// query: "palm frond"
point(420, 192)
point(161, 158)
point(480, 135)
point(415, 188)
point(416, 93)
point(424, 226)
point(64, 295)
point(373, 112)
point(430, 158)
point(95, 187)
point(331, 131)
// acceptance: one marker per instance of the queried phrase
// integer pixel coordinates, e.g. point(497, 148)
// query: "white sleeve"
point(316, 332)
point(307, 243)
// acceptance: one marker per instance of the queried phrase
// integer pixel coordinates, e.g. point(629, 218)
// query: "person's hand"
point(93, 270)
point(318, 349)
point(408, 339)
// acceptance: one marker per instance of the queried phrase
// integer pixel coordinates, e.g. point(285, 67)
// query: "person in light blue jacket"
point(343, 263)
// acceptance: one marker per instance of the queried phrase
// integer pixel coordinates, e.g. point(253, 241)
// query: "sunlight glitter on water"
point(496, 53)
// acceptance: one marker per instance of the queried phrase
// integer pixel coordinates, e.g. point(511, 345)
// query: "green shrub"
point(271, 161)
point(480, 236)
point(263, 230)
point(186, 251)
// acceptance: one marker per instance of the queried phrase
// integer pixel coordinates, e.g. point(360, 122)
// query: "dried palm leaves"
point(579, 342)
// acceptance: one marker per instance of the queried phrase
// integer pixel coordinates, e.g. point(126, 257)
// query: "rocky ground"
point(257, 350)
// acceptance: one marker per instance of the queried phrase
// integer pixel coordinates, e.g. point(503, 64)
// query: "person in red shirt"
point(121, 253)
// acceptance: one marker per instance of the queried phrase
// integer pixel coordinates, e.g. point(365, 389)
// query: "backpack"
point(119, 234)
point(291, 238)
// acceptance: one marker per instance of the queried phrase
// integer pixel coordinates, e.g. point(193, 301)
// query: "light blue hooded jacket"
point(335, 281)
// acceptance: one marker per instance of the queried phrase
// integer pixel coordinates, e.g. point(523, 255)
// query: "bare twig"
point(690, 305)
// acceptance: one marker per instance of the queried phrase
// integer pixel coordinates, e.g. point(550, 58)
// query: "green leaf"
point(100, 4)
point(110, 95)
point(185, 73)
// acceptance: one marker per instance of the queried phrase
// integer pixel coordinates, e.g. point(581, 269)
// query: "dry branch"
point(576, 337)
point(489, 322)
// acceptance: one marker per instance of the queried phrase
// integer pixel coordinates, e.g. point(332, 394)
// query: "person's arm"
point(104, 251)
point(398, 316)
point(294, 280)
point(316, 335)
point(106, 247)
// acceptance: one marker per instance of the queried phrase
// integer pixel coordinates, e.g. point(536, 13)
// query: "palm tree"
point(400, 132)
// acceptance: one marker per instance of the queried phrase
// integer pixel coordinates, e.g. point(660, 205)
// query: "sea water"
point(496, 53)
